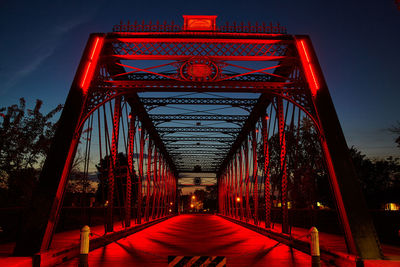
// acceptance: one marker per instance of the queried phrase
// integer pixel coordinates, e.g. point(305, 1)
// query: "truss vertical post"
point(148, 178)
point(255, 176)
point(140, 176)
point(247, 178)
point(267, 194)
point(41, 217)
point(282, 143)
point(226, 199)
point(358, 227)
point(155, 183)
point(129, 176)
point(231, 207)
point(159, 185)
point(113, 165)
point(236, 188)
point(162, 204)
point(241, 183)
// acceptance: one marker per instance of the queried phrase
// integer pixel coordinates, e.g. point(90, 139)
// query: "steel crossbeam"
point(196, 152)
point(198, 146)
point(198, 139)
point(170, 117)
point(182, 48)
point(197, 129)
point(238, 102)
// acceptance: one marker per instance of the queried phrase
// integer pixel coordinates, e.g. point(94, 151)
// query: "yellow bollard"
point(84, 250)
point(315, 255)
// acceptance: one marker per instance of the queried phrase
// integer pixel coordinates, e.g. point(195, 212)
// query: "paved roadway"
point(195, 235)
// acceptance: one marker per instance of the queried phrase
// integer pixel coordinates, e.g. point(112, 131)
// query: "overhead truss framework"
point(221, 79)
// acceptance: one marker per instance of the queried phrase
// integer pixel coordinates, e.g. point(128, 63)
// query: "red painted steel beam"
point(155, 182)
point(214, 58)
point(130, 175)
point(283, 165)
point(148, 179)
point(255, 175)
point(267, 193)
point(113, 165)
point(169, 85)
point(191, 40)
point(361, 237)
point(140, 176)
point(44, 209)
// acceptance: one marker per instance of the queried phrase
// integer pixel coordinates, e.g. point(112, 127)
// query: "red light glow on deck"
point(91, 64)
point(308, 68)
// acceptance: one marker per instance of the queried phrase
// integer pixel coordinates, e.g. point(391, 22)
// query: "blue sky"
point(356, 42)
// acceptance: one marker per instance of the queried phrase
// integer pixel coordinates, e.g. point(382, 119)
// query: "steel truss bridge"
point(146, 106)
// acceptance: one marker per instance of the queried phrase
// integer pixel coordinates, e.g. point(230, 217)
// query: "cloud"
point(38, 50)
point(26, 70)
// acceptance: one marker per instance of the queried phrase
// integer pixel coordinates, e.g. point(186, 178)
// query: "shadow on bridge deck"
point(195, 235)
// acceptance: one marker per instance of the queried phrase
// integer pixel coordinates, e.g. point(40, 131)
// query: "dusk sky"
point(357, 43)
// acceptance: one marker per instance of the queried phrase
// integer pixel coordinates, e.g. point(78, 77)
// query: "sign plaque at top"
point(199, 23)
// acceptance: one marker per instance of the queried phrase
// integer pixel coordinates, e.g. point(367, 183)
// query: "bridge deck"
point(195, 235)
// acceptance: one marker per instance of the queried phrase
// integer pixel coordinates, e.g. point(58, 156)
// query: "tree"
point(379, 179)
point(396, 130)
point(306, 174)
point(25, 138)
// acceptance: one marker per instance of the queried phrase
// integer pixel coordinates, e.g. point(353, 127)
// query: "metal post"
point(282, 142)
point(267, 193)
point(140, 177)
point(155, 183)
point(255, 176)
point(246, 158)
point(236, 188)
point(314, 245)
point(241, 183)
point(113, 165)
point(129, 176)
point(148, 179)
point(84, 247)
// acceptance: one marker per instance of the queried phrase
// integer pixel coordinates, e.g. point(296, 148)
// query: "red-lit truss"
point(135, 145)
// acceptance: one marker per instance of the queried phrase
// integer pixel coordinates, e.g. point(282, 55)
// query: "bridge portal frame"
point(91, 88)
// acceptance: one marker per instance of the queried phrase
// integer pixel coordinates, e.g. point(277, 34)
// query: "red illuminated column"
point(113, 165)
point(231, 205)
point(159, 186)
point(40, 218)
point(247, 173)
point(282, 142)
point(155, 184)
point(359, 230)
point(236, 188)
point(164, 198)
point(129, 176)
point(255, 176)
point(140, 176)
point(267, 193)
point(149, 150)
point(241, 183)
point(226, 196)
